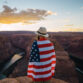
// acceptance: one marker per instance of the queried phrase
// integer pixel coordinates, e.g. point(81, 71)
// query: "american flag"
point(42, 60)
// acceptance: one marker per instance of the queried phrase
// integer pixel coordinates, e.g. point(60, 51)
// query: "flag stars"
point(32, 59)
point(34, 55)
point(36, 59)
point(34, 45)
point(35, 50)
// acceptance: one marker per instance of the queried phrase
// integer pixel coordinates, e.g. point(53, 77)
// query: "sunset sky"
point(55, 15)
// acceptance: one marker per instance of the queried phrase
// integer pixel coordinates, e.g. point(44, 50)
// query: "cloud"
point(28, 16)
point(68, 25)
point(74, 29)
point(51, 13)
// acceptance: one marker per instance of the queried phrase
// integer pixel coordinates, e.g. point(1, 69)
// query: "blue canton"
point(34, 54)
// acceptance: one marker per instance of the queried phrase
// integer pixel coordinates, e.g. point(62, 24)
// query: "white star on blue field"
point(34, 54)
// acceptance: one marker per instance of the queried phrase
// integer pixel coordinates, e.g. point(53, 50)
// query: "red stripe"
point(47, 52)
point(39, 73)
point(53, 74)
point(40, 79)
point(53, 68)
point(46, 59)
point(53, 62)
point(45, 45)
point(39, 67)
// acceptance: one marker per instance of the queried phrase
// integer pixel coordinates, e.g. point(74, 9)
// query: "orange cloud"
point(74, 29)
point(51, 13)
point(9, 15)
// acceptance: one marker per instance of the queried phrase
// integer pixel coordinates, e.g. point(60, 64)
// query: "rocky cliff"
point(27, 80)
point(65, 68)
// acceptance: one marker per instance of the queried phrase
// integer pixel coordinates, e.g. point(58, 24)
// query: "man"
point(42, 59)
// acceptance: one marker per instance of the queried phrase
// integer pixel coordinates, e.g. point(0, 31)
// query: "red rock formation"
point(6, 49)
point(27, 80)
point(65, 68)
point(72, 44)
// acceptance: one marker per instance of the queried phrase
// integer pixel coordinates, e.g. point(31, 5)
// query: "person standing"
point(42, 60)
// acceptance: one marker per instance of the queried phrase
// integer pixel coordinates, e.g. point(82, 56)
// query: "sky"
point(29, 15)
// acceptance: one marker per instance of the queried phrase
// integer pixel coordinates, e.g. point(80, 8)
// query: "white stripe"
point(53, 59)
point(40, 70)
point(53, 65)
point(47, 55)
point(46, 48)
point(43, 42)
point(40, 76)
point(53, 71)
point(40, 63)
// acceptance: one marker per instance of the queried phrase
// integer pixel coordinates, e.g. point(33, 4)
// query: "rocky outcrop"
point(27, 80)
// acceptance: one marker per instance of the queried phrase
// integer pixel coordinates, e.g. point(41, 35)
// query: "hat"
point(42, 31)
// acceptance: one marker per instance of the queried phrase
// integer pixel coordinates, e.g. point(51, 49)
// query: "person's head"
point(42, 32)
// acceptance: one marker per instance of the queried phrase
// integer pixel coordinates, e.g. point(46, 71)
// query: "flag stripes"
point(40, 79)
point(43, 69)
point(39, 76)
point(39, 73)
point(45, 48)
point(47, 55)
point(40, 70)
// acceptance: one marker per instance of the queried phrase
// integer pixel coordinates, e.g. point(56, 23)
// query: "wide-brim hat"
point(42, 31)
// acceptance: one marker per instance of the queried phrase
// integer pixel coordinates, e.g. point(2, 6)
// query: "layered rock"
point(27, 80)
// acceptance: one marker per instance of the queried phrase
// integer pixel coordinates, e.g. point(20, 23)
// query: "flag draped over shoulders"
point(42, 60)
